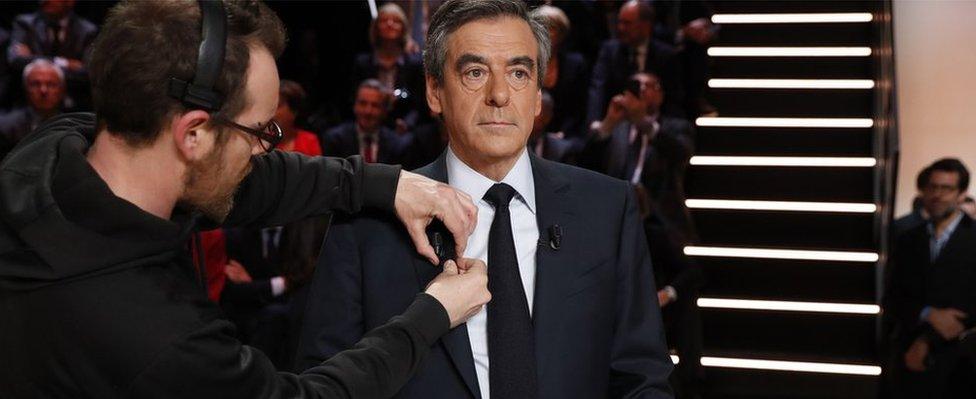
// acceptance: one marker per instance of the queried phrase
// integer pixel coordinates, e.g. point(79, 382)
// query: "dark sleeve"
point(334, 316)
point(257, 291)
point(210, 363)
point(903, 298)
point(670, 72)
point(285, 187)
point(19, 35)
point(639, 364)
point(597, 100)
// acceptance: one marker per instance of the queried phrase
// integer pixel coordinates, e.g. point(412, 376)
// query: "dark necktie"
point(511, 343)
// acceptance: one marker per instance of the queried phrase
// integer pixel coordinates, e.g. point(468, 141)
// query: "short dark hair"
point(456, 13)
point(293, 94)
point(144, 43)
point(944, 165)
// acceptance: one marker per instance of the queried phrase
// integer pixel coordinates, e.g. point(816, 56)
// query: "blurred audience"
point(4, 70)
point(291, 103)
point(552, 145)
point(634, 142)
point(567, 76)
point(56, 33)
point(634, 50)
point(418, 17)
point(396, 63)
point(931, 294)
point(366, 135)
point(45, 87)
point(687, 25)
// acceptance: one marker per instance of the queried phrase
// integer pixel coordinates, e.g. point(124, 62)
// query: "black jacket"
point(100, 299)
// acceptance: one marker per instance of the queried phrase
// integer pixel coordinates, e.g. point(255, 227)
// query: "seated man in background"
point(553, 146)
point(573, 312)
point(44, 83)
point(367, 136)
point(931, 296)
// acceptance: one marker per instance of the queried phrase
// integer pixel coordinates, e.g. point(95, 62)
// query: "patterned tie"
point(511, 343)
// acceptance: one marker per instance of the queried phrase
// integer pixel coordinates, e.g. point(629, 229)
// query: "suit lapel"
point(553, 207)
point(456, 342)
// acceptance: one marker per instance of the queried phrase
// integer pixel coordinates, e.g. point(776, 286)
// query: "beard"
point(208, 190)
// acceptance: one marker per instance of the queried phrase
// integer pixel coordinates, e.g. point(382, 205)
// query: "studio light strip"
point(789, 206)
point(792, 254)
point(783, 365)
point(789, 51)
point(852, 162)
point(859, 84)
point(720, 121)
point(817, 18)
point(788, 306)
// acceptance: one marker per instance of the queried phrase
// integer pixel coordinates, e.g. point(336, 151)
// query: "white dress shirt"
point(525, 230)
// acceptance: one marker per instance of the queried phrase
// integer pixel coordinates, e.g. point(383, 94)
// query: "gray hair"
point(42, 63)
point(375, 84)
point(455, 13)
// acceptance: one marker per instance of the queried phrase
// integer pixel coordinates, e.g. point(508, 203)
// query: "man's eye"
point(475, 73)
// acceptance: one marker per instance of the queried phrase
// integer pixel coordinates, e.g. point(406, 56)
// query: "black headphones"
point(200, 93)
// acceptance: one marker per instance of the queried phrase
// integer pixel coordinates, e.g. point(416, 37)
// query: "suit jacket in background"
point(916, 282)
point(569, 96)
point(410, 99)
point(598, 329)
point(31, 30)
point(17, 124)
point(613, 70)
point(343, 141)
point(558, 149)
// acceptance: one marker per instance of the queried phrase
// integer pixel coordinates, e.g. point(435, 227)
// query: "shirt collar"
point(464, 178)
point(951, 228)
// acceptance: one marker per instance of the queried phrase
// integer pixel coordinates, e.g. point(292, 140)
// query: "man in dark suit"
point(56, 33)
point(44, 84)
point(634, 50)
point(634, 142)
point(367, 136)
point(554, 146)
point(573, 312)
point(932, 293)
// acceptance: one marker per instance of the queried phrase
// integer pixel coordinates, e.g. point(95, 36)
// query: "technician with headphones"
point(99, 296)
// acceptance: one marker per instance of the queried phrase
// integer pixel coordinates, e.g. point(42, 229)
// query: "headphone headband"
point(200, 94)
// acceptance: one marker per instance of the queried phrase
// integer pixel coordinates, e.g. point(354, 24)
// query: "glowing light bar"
point(783, 365)
point(793, 254)
point(817, 307)
point(792, 18)
point(853, 162)
point(784, 122)
point(791, 83)
point(789, 51)
point(791, 206)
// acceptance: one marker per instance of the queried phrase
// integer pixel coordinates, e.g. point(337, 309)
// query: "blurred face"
point(370, 108)
point(212, 181)
point(389, 27)
point(631, 30)
point(57, 8)
point(284, 115)
point(942, 196)
point(490, 94)
point(542, 120)
point(45, 90)
point(652, 94)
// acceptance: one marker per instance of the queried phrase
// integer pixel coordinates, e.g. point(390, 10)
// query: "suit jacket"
point(613, 70)
point(569, 95)
point(411, 102)
point(343, 141)
point(916, 282)
point(559, 149)
point(17, 124)
point(598, 329)
point(31, 30)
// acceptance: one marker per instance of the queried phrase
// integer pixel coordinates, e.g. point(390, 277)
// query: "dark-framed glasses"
point(269, 135)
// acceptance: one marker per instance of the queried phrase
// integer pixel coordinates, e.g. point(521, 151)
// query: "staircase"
point(790, 189)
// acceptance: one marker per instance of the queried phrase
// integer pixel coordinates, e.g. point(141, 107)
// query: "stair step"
point(793, 230)
point(815, 103)
point(807, 34)
point(793, 67)
point(781, 183)
point(788, 280)
point(784, 141)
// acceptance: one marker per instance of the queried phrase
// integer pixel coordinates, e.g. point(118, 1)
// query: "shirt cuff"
point(428, 316)
point(277, 286)
point(672, 293)
point(380, 185)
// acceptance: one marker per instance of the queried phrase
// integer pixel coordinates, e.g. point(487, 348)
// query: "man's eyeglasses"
point(269, 136)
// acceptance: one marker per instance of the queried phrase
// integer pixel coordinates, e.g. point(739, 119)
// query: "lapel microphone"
point(555, 237)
